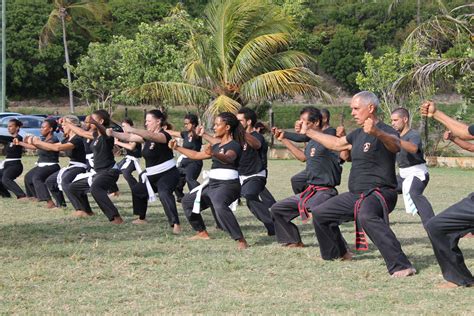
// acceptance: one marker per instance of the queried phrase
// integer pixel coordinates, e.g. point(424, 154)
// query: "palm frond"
point(223, 104)
point(284, 83)
point(49, 29)
point(94, 10)
point(174, 93)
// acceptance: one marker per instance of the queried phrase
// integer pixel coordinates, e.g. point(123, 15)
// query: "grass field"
point(52, 263)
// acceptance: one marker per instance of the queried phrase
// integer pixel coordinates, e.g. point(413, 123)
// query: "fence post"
point(272, 123)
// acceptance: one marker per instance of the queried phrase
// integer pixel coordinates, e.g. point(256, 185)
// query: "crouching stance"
point(222, 187)
point(323, 175)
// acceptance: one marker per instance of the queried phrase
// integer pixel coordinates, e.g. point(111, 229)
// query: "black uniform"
point(12, 170)
point(163, 183)
point(323, 175)
point(107, 174)
point(372, 196)
point(189, 169)
point(266, 197)
point(76, 155)
point(127, 172)
point(35, 179)
point(218, 193)
point(406, 160)
point(444, 231)
point(250, 164)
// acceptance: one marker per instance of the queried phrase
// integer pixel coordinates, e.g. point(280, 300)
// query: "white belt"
point(89, 175)
point(46, 164)
point(262, 173)
point(136, 162)
point(408, 174)
point(2, 163)
point(216, 174)
point(180, 160)
point(90, 159)
point(162, 167)
point(72, 164)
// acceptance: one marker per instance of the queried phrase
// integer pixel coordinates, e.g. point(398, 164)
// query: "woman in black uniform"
point(73, 146)
point(48, 163)
point(104, 175)
point(189, 169)
point(223, 187)
point(160, 175)
point(131, 162)
point(11, 168)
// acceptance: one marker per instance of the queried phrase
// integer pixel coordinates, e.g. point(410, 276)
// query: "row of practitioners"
point(238, 154)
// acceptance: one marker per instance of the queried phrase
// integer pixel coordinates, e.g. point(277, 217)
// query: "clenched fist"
point(369, 126)
point(173, 144)
point(428, 108)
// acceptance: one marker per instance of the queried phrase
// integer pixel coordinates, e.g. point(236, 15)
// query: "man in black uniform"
point(252, 173)
point(372, 183)
point(446, 228)
point(414, 176)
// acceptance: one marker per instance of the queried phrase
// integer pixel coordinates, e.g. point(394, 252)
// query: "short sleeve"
point(183, 134)
point(415, 139)
point(330, 131)
point(471, 129)
point(352, 135)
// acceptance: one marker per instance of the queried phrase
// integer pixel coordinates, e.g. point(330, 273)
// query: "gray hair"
point(367, 98)
point(73, 119)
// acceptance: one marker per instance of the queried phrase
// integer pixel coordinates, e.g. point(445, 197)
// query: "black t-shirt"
point(87, 145)
point(373, 165)
point(217, 148)
point(471, 129)
point(12, 150)
point(191, 141)
point(322, 164)
point(78, 153)
point(250, 159)
point(406, 159)
point(136, 152)
point(264, 152)
point(102, 147)
point(157, 153)
point(47, 155)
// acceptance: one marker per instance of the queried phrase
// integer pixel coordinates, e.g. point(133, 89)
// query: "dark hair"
point(325, 113)
point(168, 125)
point(157, 114)
point(249, 114)
point(193, 119)
point(52, 123)
point(314, 114)
point(104, 115)
point(17, 122)
point(263, 128)
point(402, 112)
point(127, 120)
point(237, 130)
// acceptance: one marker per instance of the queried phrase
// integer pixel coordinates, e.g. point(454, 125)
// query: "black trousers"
point(67, 177)
point(328, 216)
point(128, 173)
point(35, 182)
point(444, 231)
point(11, 170)
point(220, 194)
point(286, 210)
point(163, 183)
point(188, 173)
point(425, 211)
point(101, 184)
point(250, 190)
point(299, 182)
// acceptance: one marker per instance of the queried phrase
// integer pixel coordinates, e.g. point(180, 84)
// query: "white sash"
point(72, 164)
point(408, 174)
point(2, 163)
point(90, 159)
point(162, 167)
point(262, 173)
point(136, 161)
point(46, 164)
point(217, 174)
point(85, 175)
point(180, 160)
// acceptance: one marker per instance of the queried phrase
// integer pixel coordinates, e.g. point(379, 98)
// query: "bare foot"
point(348, 256)
point(117, 220)
point(24, 198)
point(447, 285)
point(176, 229)
point(202, 235)
point(50, 204)
point(242, 244)
point(140, 221)
point(294, 245)
point(114, 194)
point(33, 199)
point(404, 273)
point(81, 214)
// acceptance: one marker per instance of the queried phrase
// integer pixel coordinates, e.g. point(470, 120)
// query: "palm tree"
point(244, 57)
point(73, 11)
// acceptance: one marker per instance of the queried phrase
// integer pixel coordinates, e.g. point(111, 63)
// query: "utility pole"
point(4, 58)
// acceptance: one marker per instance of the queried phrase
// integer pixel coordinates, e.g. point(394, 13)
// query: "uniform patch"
point(312, 152)
point(152, 145)
point(366, 147)
point(221, 151)
point(245, 146)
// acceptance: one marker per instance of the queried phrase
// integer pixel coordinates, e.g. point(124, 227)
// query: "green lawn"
point(52, 263)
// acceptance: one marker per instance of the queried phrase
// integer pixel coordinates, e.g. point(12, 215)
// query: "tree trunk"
point(418, 8)
point(68, 71)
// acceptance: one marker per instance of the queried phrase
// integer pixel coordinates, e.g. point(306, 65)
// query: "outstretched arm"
point(458, 129)
point(458, 141)
point(281, 136)
point(156, 137)
point(191, 154)
point(38, 143)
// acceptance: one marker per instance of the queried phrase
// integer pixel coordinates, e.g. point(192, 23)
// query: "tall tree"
point(243, 57)
point(75, 12)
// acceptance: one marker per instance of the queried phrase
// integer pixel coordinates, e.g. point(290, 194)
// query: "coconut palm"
point(74, 12)
point(244, 57)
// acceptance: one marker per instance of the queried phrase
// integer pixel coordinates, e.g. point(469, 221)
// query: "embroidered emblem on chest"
point(95, 142)
point(312, 152)
point(152, 146)
point(366, 147)
point(190, 138)
point(245, 147)
point(221, 151)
